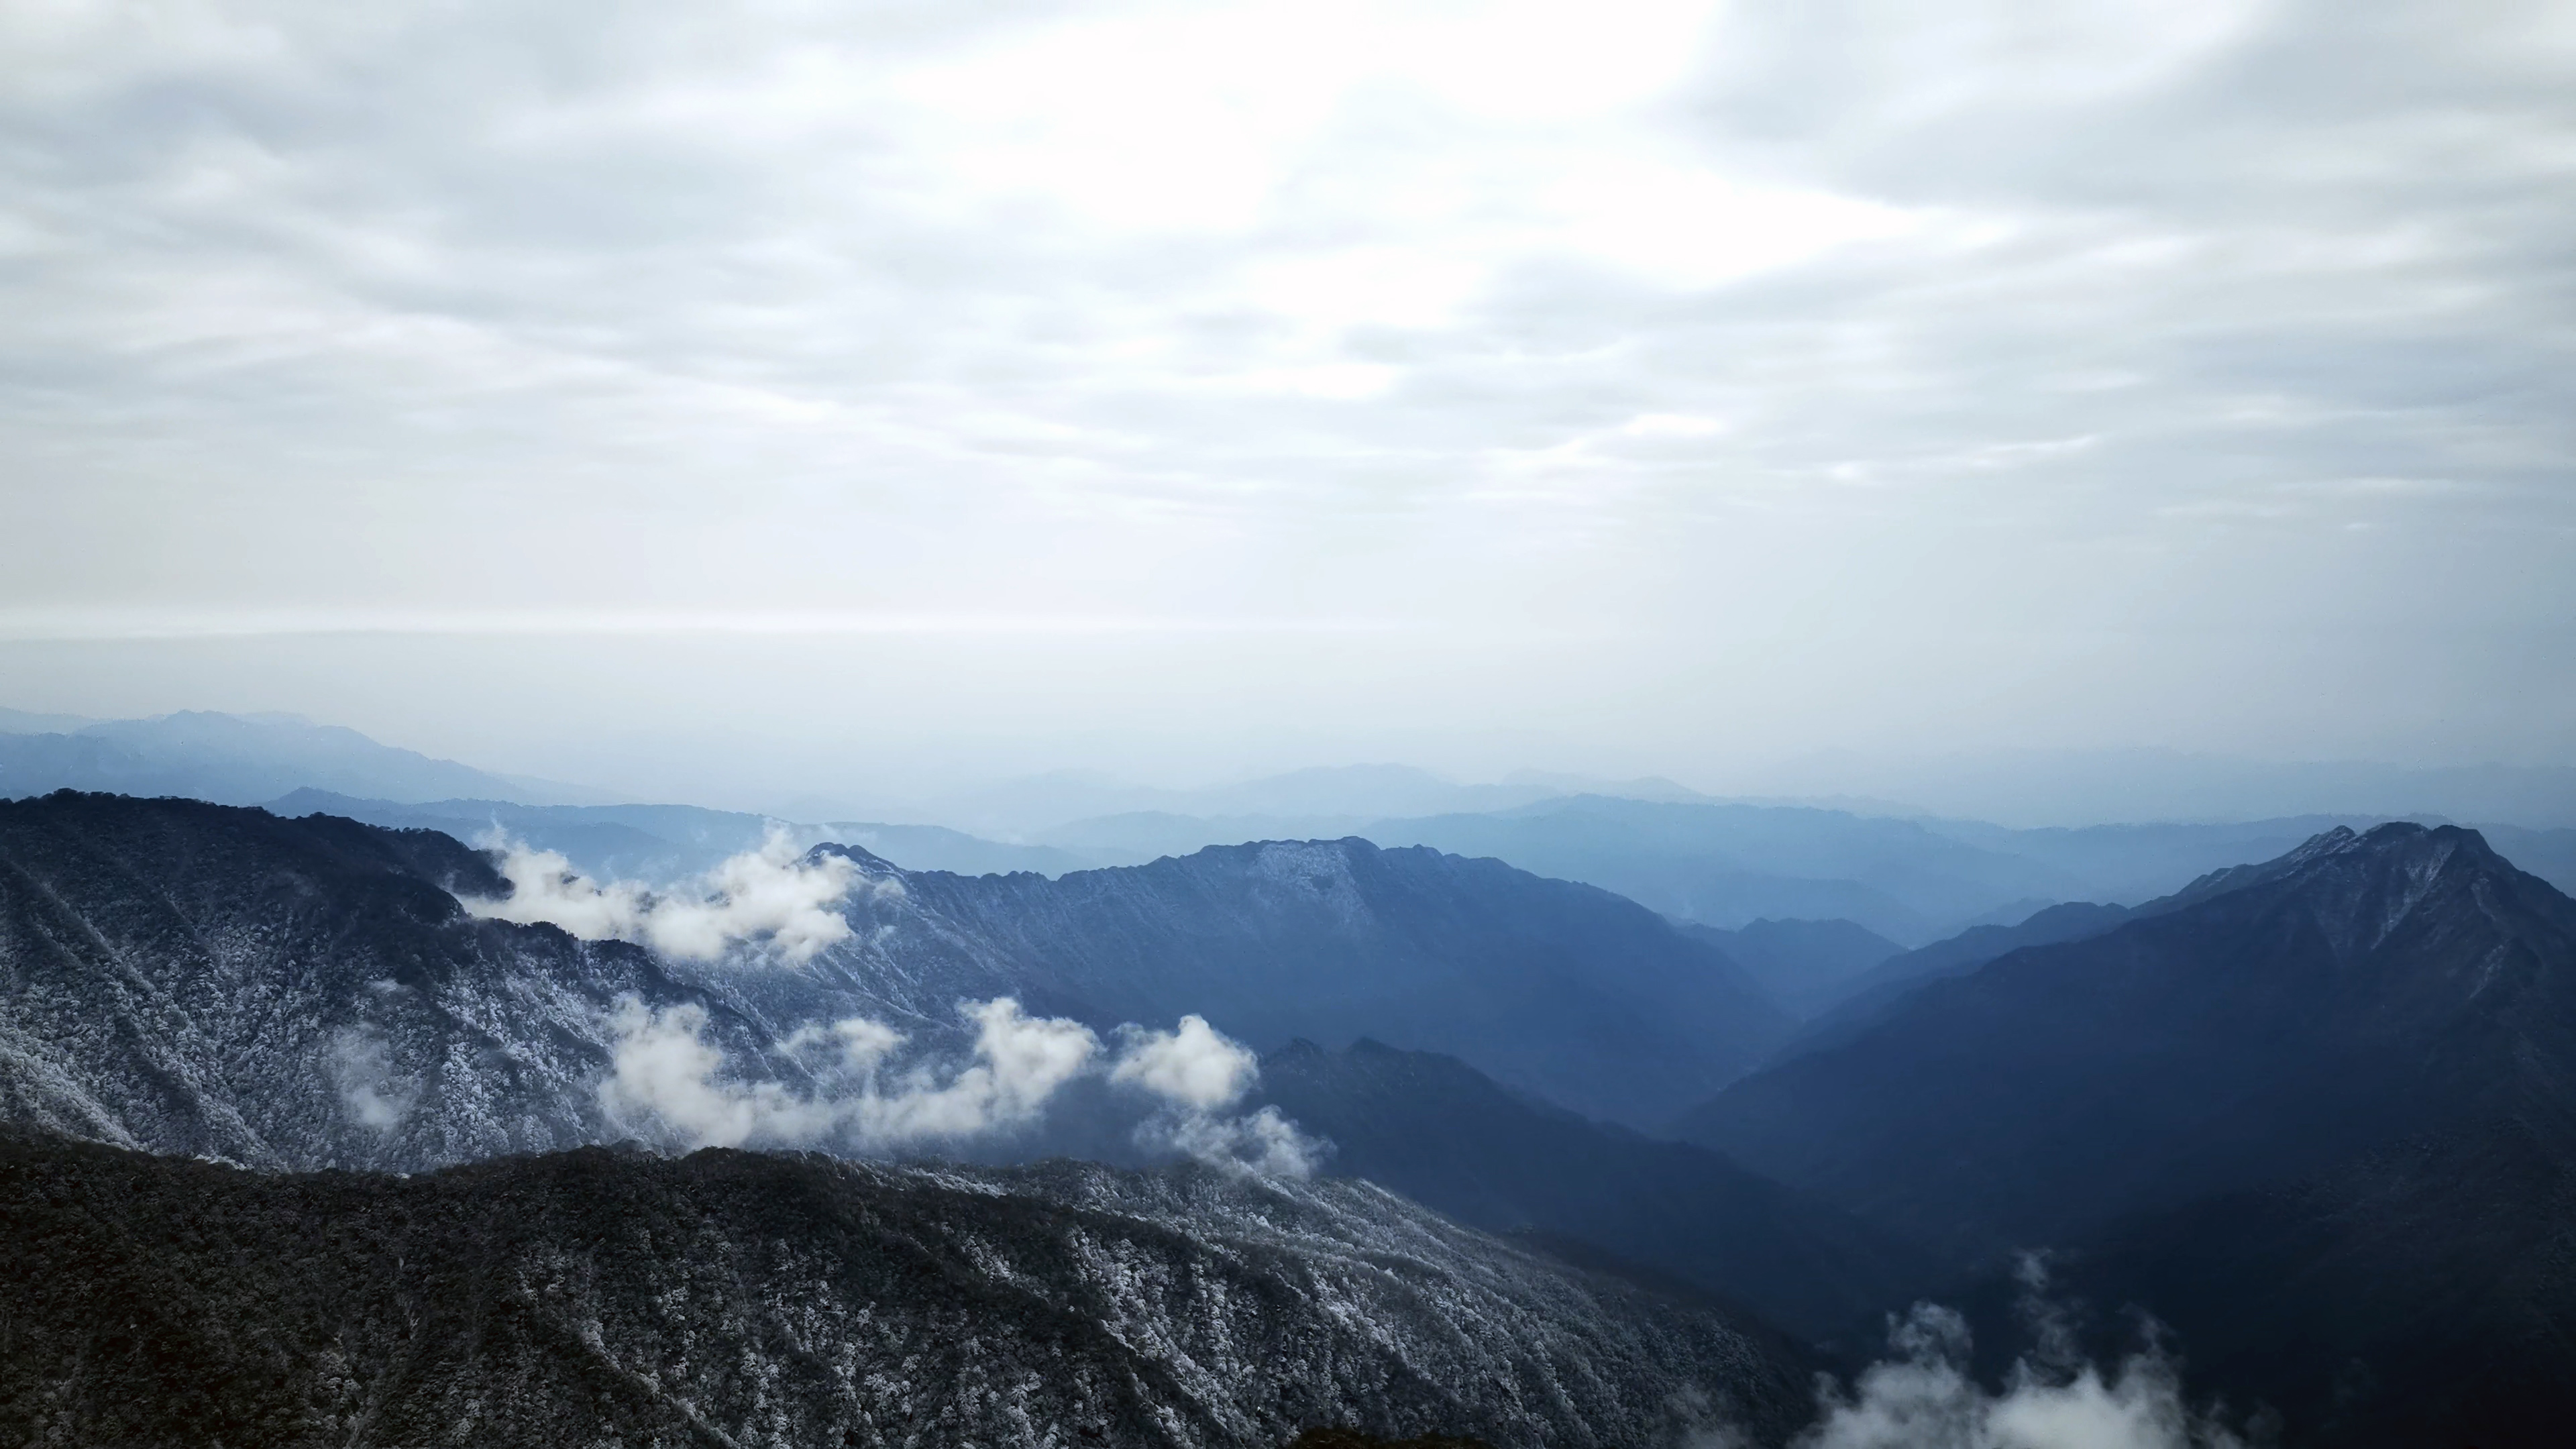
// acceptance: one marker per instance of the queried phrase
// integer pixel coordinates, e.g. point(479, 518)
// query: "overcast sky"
point(850, 393)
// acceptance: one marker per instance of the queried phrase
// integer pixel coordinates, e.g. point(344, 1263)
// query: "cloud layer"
point(772, 895)
point(669, 1081)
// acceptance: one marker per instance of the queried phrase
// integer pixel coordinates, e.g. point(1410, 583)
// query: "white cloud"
point(1264, 1142)
point(667, 1079)
point(770, 894)
point(1924, 1399)
point(1196, 1072)
point(1196, 1067)
point(544, 888)
point(1020, 1061)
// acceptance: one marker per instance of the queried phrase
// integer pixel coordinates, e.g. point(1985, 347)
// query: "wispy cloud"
point(669, 1080)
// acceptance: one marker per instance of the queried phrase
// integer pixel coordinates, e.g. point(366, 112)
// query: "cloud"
point(667, 1079)
point(665, 1075)
point(544, 888)
point(1020, 1061)
point(361, 1067)
point(768, 894)
point(1265, 1142)
point(1194, 1067)
point(1196, 1072)
point(1922, 1397)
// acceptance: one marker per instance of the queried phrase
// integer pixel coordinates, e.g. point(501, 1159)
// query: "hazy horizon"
point(2017, 789)
point(795, 400)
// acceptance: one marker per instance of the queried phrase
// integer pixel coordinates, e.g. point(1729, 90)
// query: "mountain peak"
point(2397, 840)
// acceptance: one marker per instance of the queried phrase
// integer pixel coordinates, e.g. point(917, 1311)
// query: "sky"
point(699, 400)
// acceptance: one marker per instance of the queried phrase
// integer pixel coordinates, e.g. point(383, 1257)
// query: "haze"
point(700, 403)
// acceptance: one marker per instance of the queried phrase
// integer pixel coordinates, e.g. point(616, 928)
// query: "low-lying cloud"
point(669, 1080)
point(1265, 1142)
point(1195, 1066)
point(773, 894)
point(1923, 1398)
point(371, 1092)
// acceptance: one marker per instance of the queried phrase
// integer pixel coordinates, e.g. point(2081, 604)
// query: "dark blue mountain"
point(1561, 990)
point(1806, 967)
point(1447, 1136)
point(2320, 1116)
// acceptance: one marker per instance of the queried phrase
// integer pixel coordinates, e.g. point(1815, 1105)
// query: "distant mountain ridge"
point(242, 760)
point(664, 844)
point(1808, 967)
point(210, 979)
point(1564, 990)
point(1718, 862)
point(1725, 864)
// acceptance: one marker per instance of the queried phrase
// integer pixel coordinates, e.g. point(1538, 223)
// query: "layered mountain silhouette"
point(662, 844)
point(241, 760)
point(206, 979)
point(735, 1298)
point(2316, 1114)
point(1563, 990)
point(1806, 967)
point(1447, 1136)
point(2319, 1115)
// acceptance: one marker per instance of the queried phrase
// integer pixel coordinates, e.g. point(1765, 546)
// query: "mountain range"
point(2311, 1112)
point(240, 760)
point(210, 979)
point(1727, 864)
point(1563, 990)
point(732, 1299)
point(1449, 1137)
point(2316, 1114)
point(1895, 870)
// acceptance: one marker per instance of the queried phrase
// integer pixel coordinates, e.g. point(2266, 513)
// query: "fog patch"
point(362, 1070)
point(1922, 1397)
point(772, 894)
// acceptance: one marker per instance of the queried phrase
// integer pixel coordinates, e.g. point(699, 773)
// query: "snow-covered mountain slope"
point(204, 979)
point(741, 1299)
point(184, 977)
